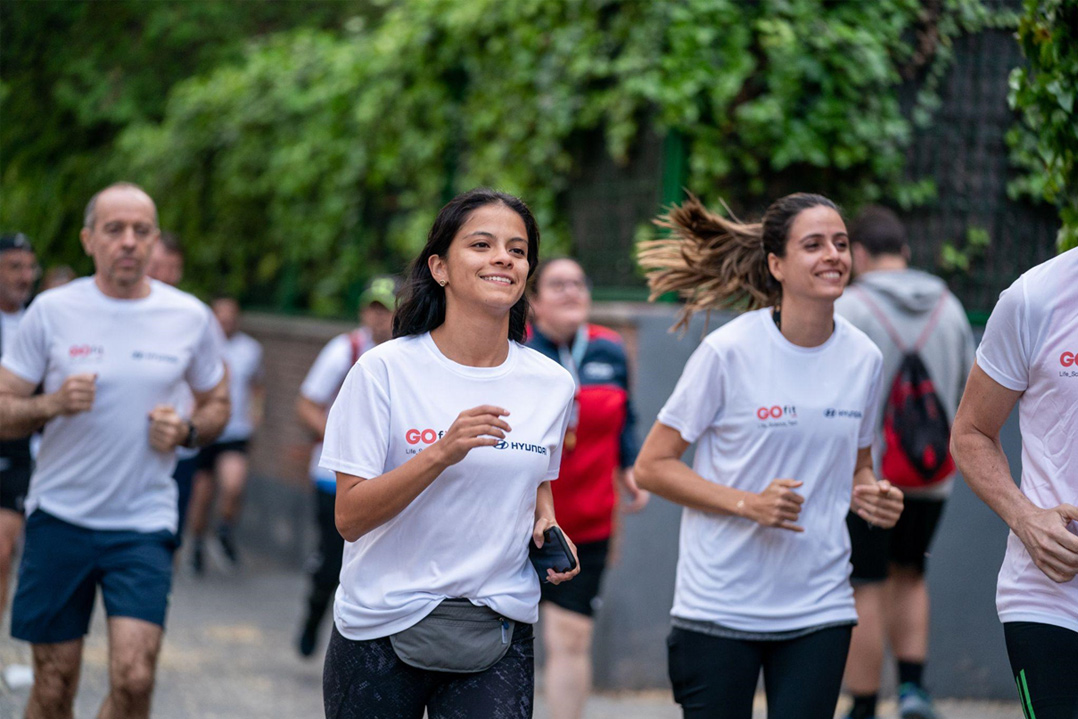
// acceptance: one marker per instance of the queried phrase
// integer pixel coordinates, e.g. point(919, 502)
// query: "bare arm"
point(312, 416)
point(979, 454)
point(659, 469)
point(22, 414)
point(365, 504)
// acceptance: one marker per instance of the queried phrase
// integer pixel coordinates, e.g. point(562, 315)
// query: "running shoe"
point(914, 703)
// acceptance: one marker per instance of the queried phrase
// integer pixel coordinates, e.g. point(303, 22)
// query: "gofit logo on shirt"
point(1068, 359)
point(426, 436)
point(85, 352)
point(776, 412)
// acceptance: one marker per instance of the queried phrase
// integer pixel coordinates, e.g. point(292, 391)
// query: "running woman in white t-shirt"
point(781, 403)
point(1029, 355)
point(444, 441)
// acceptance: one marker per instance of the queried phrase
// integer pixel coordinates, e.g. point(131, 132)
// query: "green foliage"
point(74, 73)
point(315, 158)
point(1044, 144)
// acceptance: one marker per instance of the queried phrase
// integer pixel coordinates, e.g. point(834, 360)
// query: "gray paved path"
point(228, 654)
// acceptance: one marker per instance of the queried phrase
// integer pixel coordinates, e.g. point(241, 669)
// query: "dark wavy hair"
point(422, 305)
point(715, 262)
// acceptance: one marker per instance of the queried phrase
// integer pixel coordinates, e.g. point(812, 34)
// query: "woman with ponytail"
point(444, 441)
point(780, 402)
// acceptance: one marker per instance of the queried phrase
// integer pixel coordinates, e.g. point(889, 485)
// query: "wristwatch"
point(191, 440)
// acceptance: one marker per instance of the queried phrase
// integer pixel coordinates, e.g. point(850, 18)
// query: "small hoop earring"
point(441, 282)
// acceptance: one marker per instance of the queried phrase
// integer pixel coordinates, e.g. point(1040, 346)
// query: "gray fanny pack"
point(457, 636)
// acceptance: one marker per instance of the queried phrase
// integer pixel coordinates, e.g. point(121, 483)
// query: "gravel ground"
point(228, 654)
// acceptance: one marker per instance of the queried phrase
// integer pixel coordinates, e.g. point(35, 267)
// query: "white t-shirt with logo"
point(467, 534)
point(243, 355)
point(96, 469)
point(321, 385)
point(761, 408)
point(1031, 345)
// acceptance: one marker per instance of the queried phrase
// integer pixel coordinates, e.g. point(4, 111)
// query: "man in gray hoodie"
point(901, 310)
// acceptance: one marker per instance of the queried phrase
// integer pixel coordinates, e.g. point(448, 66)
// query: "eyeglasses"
point(564, 285)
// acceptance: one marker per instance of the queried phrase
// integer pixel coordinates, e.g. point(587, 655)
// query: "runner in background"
point(901, 310)
point(101, 512)
point(597, 457)
point(223, 465)
point(166, 265)
point(781, 402)
point(1029, 356)
point(317, 393)
point(18, 270)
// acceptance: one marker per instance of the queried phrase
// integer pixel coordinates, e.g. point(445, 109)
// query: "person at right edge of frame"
point(904, 311)
point(1029, 356)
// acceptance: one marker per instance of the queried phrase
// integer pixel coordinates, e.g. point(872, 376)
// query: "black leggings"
point(325, 570)
point(366, 680)
point(1044, 659)
point(716, 678)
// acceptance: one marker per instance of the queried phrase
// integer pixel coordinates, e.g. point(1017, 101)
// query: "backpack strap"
point(932, 322)
point(881, 317)
point(355, 337)
point(930, 325)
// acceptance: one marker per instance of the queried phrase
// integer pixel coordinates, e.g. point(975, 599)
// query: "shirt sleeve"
point(1005, 351)
point(26, 355)
point(357, 430)
point(328, 371)
point(867, 433)
point(554, 466)
point(699, 396)
point(207, 366)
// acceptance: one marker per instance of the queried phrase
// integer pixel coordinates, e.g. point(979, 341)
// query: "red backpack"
point(916, 429)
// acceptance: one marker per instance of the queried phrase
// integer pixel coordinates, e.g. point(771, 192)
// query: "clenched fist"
point(75, 395)
point(167, 428)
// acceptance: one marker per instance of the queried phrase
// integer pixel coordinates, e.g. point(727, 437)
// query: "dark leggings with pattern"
point(366, 680)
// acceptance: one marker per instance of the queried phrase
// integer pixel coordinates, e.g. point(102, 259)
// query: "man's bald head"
point(89, 217)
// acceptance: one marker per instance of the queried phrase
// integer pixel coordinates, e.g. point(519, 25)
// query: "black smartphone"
point(554, 554)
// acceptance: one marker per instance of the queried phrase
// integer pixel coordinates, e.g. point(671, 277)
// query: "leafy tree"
point(1045, 142)
point(75, 73)
point(322, 156)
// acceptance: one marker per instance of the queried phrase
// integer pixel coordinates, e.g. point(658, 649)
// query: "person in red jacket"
point(599, 450)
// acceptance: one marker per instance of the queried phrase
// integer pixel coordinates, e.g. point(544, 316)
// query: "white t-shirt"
point(467, 534)
point(243, 355)
point(322, 383)
point(96, 469)
point(9, 324)
point(1030, 345)
point(761, 408)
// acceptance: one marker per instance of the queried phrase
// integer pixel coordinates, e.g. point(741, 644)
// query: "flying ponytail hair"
point(714, 262)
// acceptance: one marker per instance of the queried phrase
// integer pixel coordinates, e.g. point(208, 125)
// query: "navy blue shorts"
point(62, 566)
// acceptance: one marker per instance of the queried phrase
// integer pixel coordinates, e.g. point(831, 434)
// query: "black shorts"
point(62, 566)
point(905, 545)
point(207, 456)
point(581, 594)
point(14, 485)
point(1044, 660)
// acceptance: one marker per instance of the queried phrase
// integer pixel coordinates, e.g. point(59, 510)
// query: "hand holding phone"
point(554, 554)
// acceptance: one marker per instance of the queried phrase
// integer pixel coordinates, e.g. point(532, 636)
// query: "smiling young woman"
point(781, 403)
point(438, 496)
